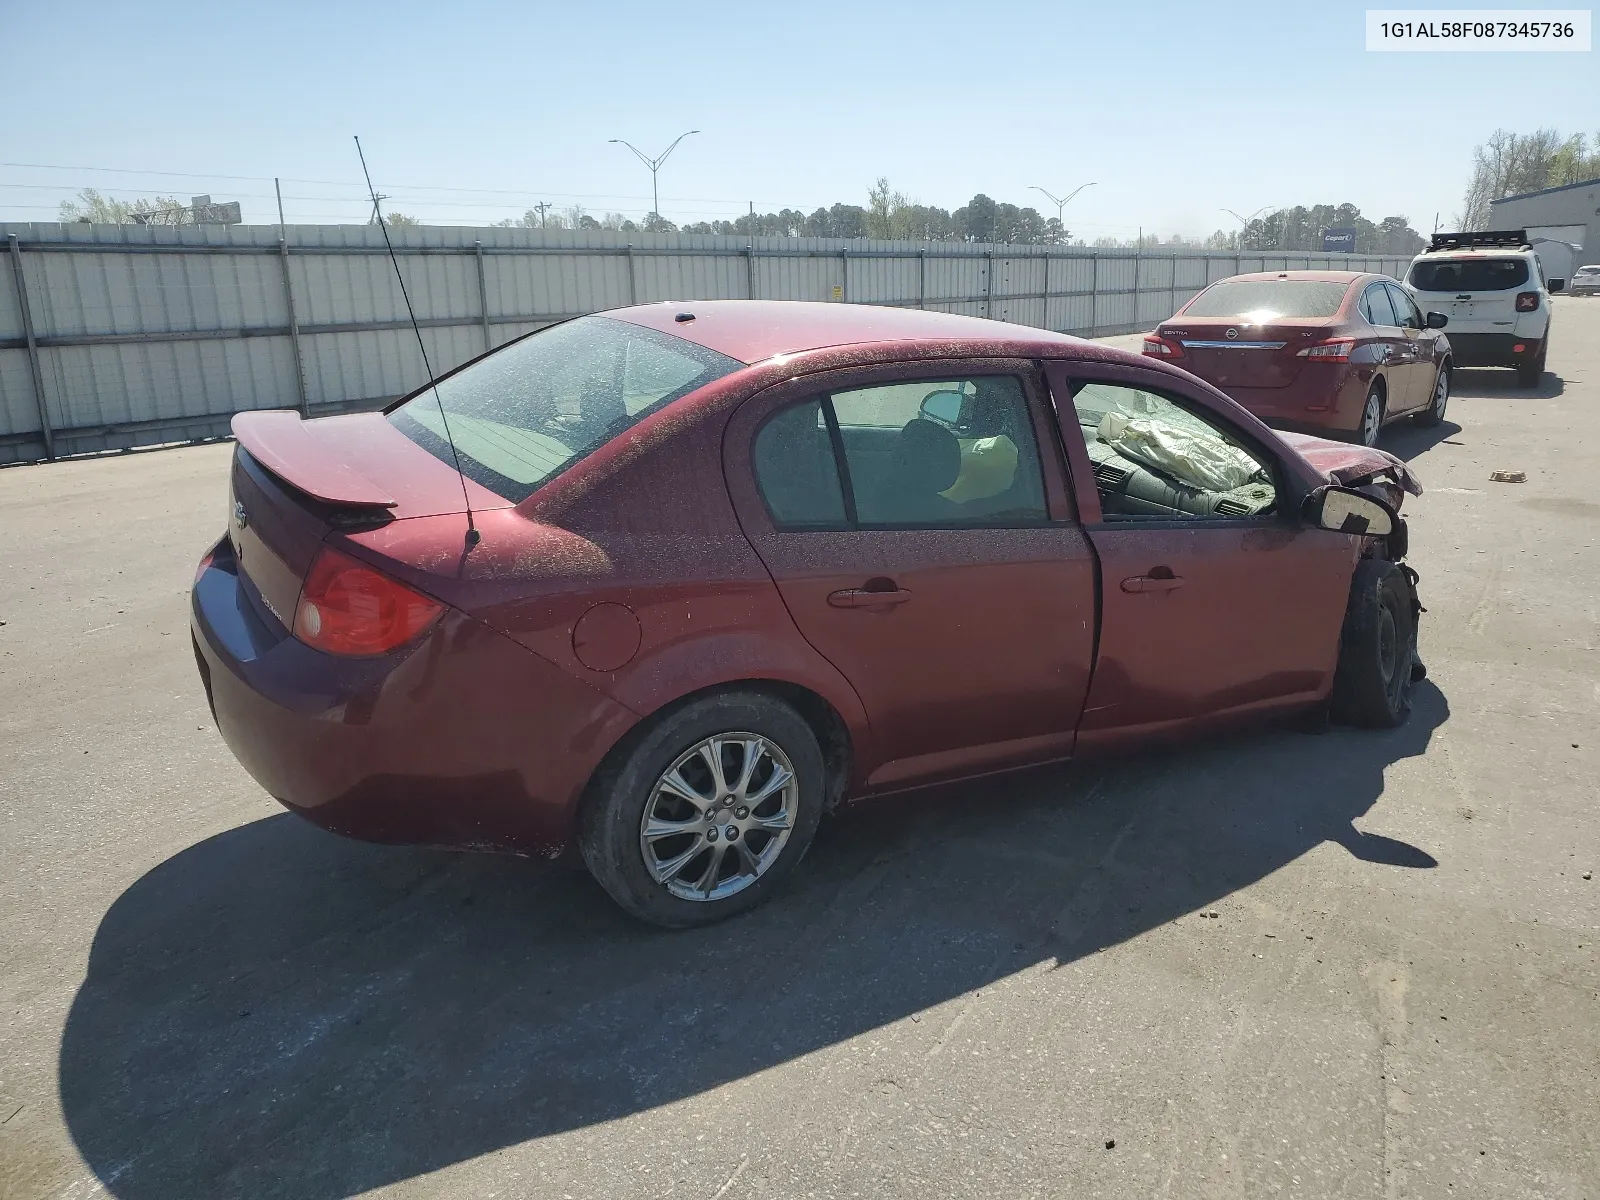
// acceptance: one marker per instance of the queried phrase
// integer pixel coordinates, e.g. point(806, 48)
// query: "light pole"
point(654, 164)
point(1244, 222)
point(1057, 200)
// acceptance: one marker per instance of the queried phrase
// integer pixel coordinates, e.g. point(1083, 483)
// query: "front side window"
point(1156, 459)
point(923, 454)
point(525, 413)
point(1404, 310)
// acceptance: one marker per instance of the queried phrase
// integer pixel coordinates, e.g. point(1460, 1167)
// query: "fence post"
point(1173, 294)
point(988, 284)
point(483, 295)
point(1094, 294)
point(750, 268)
point(294, 329)
point(633, 284)
point(922, 277)
point(844, 274)
point(1046, 314)
point(1138, 261)
point(45, 430)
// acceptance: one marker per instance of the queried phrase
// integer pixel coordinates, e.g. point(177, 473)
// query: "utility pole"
point(377, 212)
point(654, 164)
point(541, 208)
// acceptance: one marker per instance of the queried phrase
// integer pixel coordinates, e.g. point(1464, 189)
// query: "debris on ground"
point(1509, 477)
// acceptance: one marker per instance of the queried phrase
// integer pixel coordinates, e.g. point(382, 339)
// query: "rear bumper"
point(464, 739)
point(1323, 398)
point(1493, 349)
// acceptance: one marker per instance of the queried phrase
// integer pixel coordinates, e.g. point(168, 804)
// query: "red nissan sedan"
point(1321, 351)
point(668, 582)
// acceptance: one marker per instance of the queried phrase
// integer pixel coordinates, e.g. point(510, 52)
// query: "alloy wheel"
point(719, 816)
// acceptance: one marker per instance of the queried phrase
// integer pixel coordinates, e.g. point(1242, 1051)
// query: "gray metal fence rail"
point(118, 336)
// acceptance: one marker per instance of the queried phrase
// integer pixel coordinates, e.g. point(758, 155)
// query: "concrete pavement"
point(1015, 988)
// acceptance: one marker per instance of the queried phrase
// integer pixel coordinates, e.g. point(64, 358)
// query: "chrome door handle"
point(862, 598)
point(1152, 583)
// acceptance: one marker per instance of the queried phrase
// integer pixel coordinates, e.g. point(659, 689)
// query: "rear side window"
point(1469, 274)
point(1375, 306)
point(525, 413)
point(1267, 298)
point(924, 454)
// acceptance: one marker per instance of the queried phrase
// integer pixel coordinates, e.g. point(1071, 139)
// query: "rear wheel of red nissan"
point(1377, 649)
point(1371, 417)
point(706, 811)
point(1434, 413)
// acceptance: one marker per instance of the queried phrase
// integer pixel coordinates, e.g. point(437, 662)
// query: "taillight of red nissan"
point(349, 608)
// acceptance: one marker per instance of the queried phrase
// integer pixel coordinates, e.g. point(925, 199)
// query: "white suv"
point(1492, 288)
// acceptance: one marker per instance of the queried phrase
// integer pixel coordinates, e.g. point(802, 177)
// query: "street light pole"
point(654, 164)
point(1058, 201)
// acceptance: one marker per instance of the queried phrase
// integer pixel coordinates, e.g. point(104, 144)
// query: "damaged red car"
point(668, 582)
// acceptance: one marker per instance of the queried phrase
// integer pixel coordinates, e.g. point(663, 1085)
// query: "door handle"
point(862, 598)
point(1152, 583)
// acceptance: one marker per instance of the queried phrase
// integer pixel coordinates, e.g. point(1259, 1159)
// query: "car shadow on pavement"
point(1407, 441)
point(278, 1012)
point(1485, 382)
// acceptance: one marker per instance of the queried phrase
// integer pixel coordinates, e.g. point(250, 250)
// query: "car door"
point(925, 547)
point(1395, 349)
point(1420, 341)
point(1220, 606)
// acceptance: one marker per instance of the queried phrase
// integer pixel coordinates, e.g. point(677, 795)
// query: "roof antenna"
point(473, 536)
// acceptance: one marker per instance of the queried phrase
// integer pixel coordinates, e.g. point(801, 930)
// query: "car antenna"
point(473, 536)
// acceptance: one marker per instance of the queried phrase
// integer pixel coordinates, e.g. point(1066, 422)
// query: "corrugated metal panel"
point(204, 319)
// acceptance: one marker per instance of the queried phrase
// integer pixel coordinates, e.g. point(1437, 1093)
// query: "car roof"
point(1309, 276)
point(753, 330)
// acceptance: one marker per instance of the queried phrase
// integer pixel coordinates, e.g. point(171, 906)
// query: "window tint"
point(1267, 298)
point(1155, 459)
point(1469, 274)
point(941, 452)
point(1377, 308)
point(796, 470)
point(1404, 310)
point(526, 412)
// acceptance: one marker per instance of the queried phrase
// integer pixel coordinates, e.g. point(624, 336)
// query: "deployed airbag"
point(1204, 462)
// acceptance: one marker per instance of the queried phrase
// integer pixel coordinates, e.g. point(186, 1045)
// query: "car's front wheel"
point(1377, 648)
point(707, 811)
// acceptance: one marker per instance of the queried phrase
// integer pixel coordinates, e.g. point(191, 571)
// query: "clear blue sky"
point(1176, 110)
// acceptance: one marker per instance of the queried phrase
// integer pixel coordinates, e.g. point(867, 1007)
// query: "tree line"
point(1509, 164)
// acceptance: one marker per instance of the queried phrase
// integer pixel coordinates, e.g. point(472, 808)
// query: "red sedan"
point(708, 569)
point(1321, 351)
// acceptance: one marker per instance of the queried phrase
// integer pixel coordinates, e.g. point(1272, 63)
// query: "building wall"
point(1576, 205)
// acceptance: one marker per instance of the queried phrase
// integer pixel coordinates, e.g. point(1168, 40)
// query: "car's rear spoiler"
point(282, 443)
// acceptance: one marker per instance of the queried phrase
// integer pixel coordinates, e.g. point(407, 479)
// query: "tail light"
point(1527, 301)
point(348, 608)
point(1157, 346)
point(1333, 350)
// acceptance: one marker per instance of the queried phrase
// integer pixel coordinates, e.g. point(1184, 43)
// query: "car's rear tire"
point(1377, 648)
point(1371, 424)
point(1529, 375)
point(1434, 413)
point(656, 823)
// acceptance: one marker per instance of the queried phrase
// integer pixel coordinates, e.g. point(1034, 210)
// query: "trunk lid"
point(292, 481)
point(1235, 353)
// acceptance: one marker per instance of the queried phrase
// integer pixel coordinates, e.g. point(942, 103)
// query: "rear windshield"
point(1469, 274)
point(527, 412)
point(1267, 298)
point(1587, 271)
